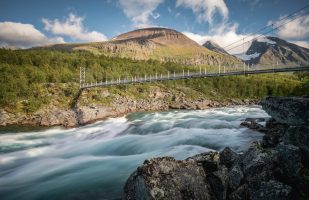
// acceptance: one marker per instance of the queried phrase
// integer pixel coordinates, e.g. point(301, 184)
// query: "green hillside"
point(32, 79)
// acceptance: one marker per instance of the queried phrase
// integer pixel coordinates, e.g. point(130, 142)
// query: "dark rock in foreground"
point(167, 178)
point(288, 110)
point(275, 169)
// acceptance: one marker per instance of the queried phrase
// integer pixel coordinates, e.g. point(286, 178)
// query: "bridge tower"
point(82, 76)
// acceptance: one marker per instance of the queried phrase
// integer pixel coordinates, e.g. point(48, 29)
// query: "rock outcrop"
point(167, 178)
point(288, 110)
point(46, 117)
point(275, 168)
point(87, 111)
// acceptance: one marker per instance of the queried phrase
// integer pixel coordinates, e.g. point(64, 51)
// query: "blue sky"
point(36, 22)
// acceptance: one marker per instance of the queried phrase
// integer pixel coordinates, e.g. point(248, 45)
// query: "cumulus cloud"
point(20, 35)
point(224, 36)
point(73, 27)
point(140, 11)
point(205, 9)
point(296, 29)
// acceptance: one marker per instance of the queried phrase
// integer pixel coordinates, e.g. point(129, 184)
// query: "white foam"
point(106, 148)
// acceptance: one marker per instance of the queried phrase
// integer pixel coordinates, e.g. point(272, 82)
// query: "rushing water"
point(94, 161)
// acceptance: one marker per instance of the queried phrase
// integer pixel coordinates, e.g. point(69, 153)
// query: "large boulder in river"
point(167, 178)
point(288, 110)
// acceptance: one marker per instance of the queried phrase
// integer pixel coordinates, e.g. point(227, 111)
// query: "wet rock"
point(241, 193)
point(227, 157)
point(218, 182)
point(209, 161)
point(55, 116)
point(252, 123)
point(289, 163)
point(288, 110)
point(257, 165)
point(88, 114)
point(167, 178)
point(272, 190)
point(275, 132)
point(235, 177)
point(299, 136)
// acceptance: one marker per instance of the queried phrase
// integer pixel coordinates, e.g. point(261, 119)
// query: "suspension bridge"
point(189, 75)
point(184, 75)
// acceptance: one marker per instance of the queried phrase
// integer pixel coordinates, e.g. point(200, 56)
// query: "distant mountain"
point(161, 44)
point(214, 47)
point(272, 50)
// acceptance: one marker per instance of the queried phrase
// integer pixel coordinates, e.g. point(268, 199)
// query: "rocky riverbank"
point(86, 112)
point(275, 168)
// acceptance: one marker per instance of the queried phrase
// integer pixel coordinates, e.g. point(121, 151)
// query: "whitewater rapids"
point(94, 161)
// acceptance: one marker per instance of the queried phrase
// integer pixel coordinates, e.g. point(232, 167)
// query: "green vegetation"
point(31, 79)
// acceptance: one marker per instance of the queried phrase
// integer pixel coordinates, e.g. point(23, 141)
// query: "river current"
point(94, 161)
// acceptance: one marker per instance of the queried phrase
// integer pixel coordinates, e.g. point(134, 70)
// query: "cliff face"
point(276, 168)
point(161, 44)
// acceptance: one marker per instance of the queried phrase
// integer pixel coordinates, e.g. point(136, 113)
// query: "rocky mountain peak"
point(266, 50)
point(211, 45)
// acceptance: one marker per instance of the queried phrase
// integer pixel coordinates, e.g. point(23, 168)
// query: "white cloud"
point(296, 29)
point(301, 43)
point(224, 35)
point(205, 9)
point(23, 36)
point(140, 11)
point(73, 27)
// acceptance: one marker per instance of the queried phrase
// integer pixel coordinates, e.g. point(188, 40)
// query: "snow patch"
point(266, 40)
point(247, 57)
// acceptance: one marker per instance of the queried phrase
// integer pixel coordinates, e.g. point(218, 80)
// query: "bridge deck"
point(193, 75)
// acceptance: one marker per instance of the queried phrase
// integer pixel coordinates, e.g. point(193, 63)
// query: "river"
point(94, 161)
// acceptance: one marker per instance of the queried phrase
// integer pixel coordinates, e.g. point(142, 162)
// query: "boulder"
point(289, 164)
point(167, 178)
point(241, 193)
point(299, 136)
point(55, 116)
point(272, 190)
point(218, 183)
point(88, 114)
point(274, 133)
point(257, 165)
point(235, 177)
point(288, 110)
point(252, 123)
point(209, 161)
point(227, 157)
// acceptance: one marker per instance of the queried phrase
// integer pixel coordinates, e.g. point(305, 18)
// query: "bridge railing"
point(222, 71)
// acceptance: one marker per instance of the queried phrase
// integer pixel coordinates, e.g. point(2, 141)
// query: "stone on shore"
point(288, 110)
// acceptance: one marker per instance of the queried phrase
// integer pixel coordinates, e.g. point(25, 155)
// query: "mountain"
point(272, 50)
point(161, 44)
point(214, 47)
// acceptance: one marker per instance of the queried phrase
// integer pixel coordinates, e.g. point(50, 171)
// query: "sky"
point(29, 23)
